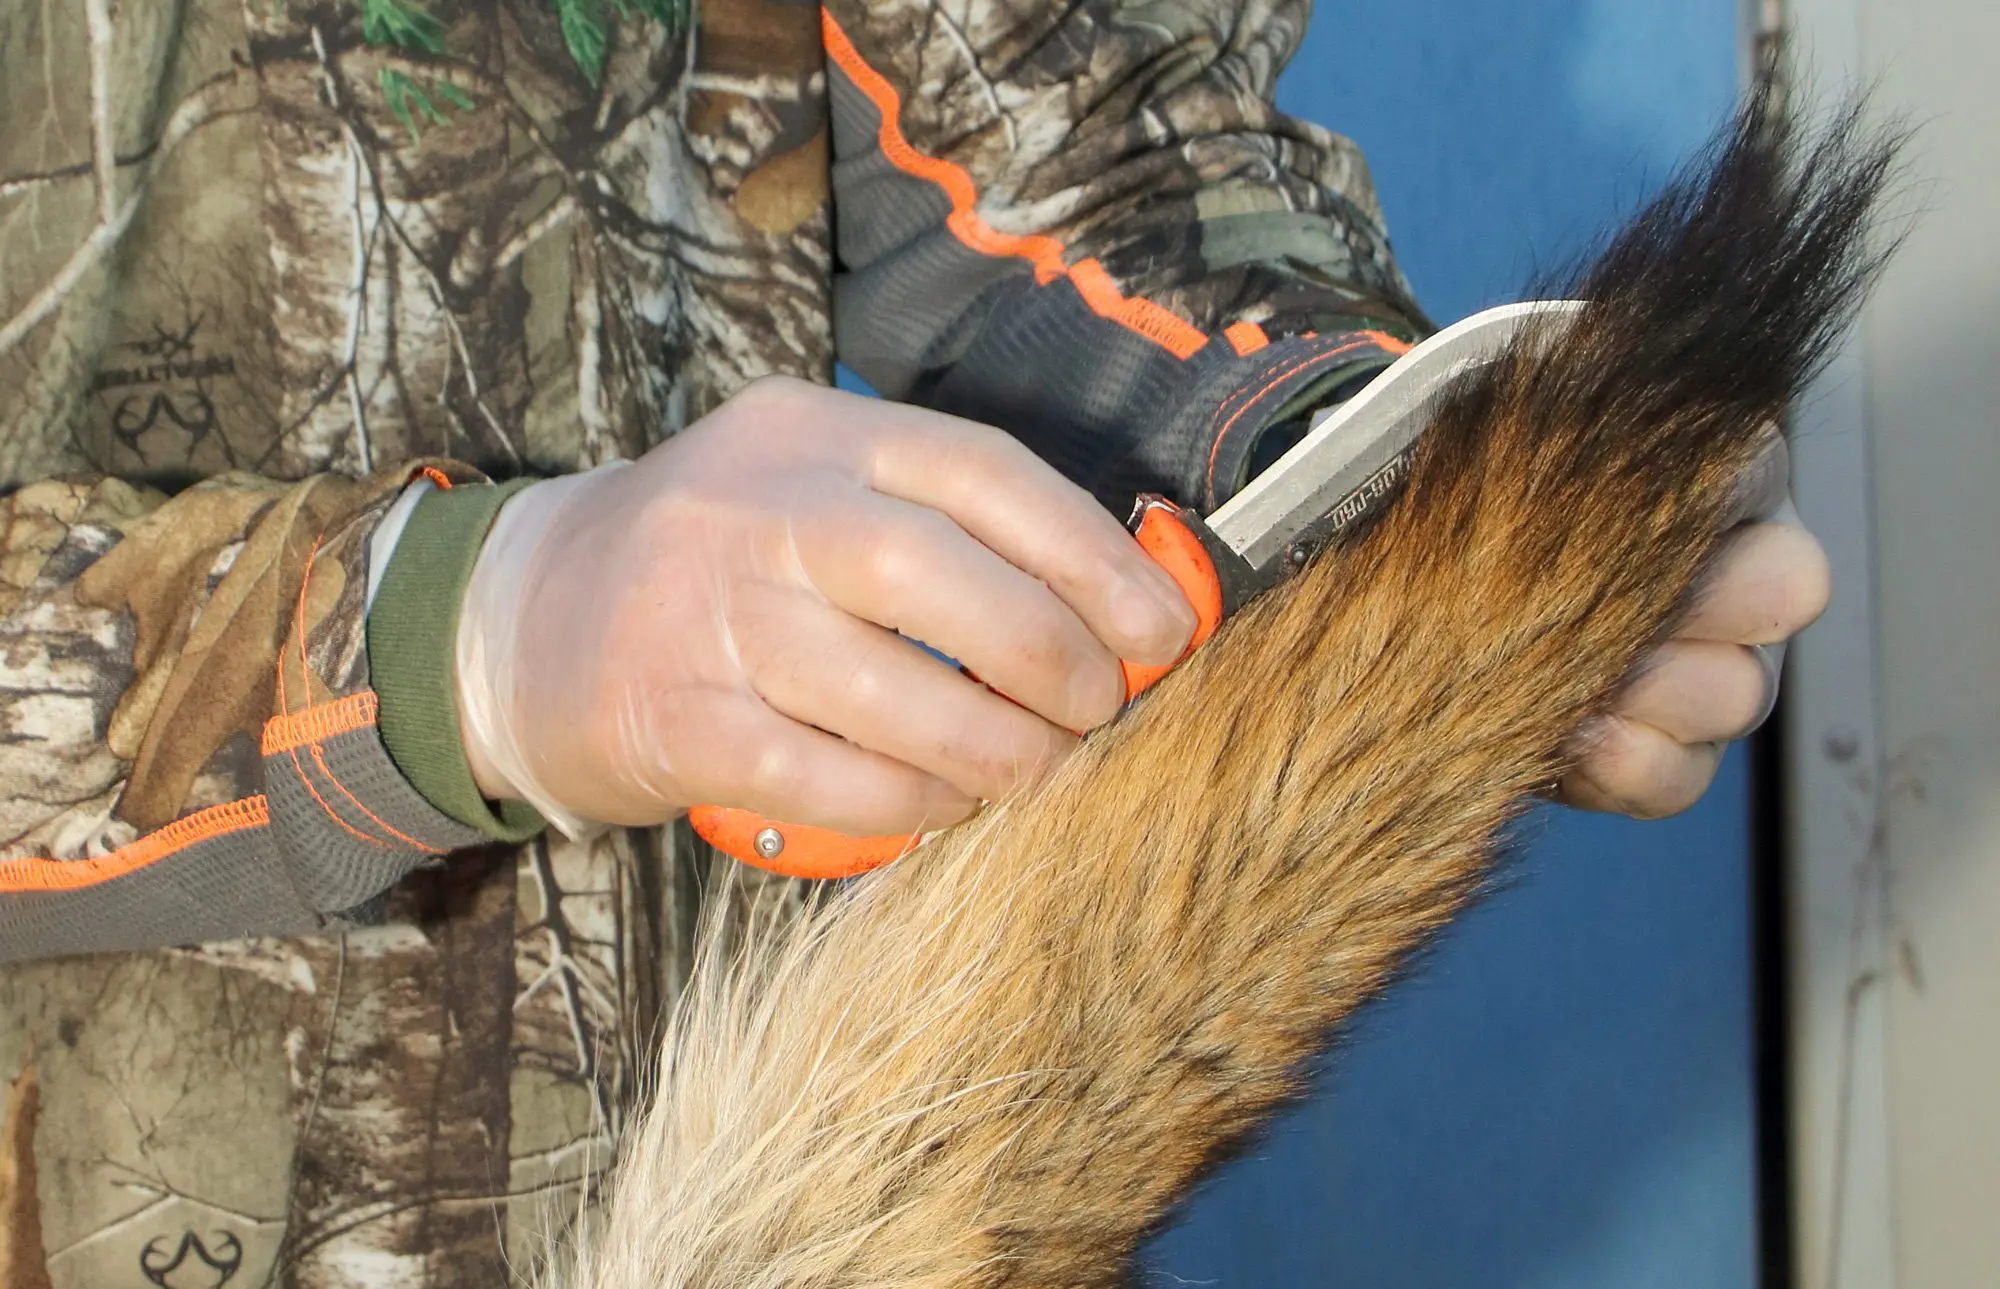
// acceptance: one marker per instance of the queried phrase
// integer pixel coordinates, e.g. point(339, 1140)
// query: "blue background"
point(1561, 1095)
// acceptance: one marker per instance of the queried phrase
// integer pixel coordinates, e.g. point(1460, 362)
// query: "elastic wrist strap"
point(412, 631)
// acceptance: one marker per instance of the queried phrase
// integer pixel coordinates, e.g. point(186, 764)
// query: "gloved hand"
point(698, 626)
point(1715, 681)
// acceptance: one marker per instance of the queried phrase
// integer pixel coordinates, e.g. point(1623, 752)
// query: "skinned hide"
point(1001, 1060)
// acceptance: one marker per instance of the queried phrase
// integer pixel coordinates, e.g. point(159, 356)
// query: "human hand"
point(1657, 750)
point(716, 622)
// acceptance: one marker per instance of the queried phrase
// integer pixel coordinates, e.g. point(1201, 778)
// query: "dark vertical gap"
point(1770, 1007)
point(1765, 34)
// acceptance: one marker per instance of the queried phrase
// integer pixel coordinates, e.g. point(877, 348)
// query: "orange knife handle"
point(1157, 523)
point(796, 850)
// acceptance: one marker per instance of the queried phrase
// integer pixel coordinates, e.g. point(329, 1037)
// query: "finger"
point(1022, 508)
point(913, 570)
point(1699, 691)
point(851, 678)
point(1771, 582)
point(1632, 769)
point(754, 758)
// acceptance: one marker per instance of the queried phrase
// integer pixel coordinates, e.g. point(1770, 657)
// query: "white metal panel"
point(1840, 1122)
point(1895, 700)
point(1933, 337)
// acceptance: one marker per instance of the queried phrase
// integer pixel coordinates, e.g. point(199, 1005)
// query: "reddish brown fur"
point(1000, 1061)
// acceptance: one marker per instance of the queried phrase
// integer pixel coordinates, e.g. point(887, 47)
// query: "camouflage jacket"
point(285, 1006)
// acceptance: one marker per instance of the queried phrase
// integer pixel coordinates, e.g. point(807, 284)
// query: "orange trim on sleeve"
point(19, 876)
point(317, 724)
point(1245, 338)
point(312, 727)
point(1155, 322)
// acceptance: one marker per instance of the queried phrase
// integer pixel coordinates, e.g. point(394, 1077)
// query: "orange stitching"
point(331, 813)
point(436, 476)
point(1161, 326)
point(1215, 447)
point(1382, 340)
point(312, 727)
point(319, 759)
point(317, 724)
point(18, 876)
point(1245, 338)
point(1144, 317)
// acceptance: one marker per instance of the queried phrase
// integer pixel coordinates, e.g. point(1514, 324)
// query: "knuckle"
point(775, 776)
point(768, 392)
point(898, 554)
point(1614, 743)
point(1640, 773)
point(664, 517)
point(867, 686)
point(1678, 779)
point(754, 407)
point(1678, 794)
point(973, 445)
point(1617, 759)
point(993, 457)
point(778, 412)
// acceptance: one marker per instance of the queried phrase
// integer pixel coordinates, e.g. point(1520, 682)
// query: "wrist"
point(412, 624)
point(489, 674)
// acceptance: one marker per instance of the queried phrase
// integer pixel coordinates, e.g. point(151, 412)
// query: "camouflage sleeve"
point(1089, 225)
point(191, 748)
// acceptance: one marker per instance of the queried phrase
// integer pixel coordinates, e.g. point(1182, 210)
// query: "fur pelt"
point(1003, 1059)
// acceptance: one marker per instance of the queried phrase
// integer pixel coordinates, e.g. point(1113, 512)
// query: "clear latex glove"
point(1716, 679)
point(715, 622)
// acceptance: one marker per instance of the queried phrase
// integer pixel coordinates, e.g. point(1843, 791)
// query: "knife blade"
point(1350, 462)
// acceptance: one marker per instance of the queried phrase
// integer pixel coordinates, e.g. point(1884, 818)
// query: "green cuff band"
point(412, 635)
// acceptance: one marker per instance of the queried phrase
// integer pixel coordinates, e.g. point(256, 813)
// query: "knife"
point(1350, 462)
